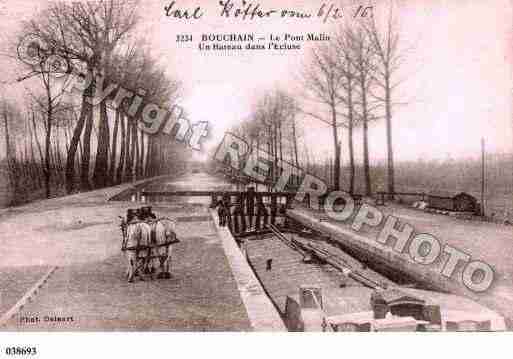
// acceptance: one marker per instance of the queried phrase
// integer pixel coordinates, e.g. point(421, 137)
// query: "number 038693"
point(20, 351)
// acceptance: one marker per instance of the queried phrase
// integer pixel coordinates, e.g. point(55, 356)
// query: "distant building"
point(439, 202)
point(462, 202)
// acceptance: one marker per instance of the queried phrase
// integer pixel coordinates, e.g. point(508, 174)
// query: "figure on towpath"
point(223, 208)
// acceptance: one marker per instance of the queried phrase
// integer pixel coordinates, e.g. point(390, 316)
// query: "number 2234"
point(183, 38)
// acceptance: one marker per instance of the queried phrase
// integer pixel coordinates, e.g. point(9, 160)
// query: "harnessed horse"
point(136, 246)
point(162, 237)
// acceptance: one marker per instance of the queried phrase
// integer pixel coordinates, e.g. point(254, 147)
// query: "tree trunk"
point(351, 154)
point(101, 164)
point(336, 172)
point(7, 137)
point(366, 169)
point(35, 168)
point(129, 150)
point(271, 152)
point(80, 156)
point(390, 150)
point(58, 157)
point(26, 167)
point(135, 140)
point(47, 172)
point(66, 138)
point(8, 154)
point(40, 150)
point(141, 157)
point(294, 139)
point(280, 135)
point(122, 155)
point(112, 171)
point(365, 115)
point(86, 158)
point(149, 154)
point(75, 140)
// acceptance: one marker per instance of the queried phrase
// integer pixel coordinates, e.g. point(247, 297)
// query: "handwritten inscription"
point(246, 10)
point(329, 12)
point(179, 13)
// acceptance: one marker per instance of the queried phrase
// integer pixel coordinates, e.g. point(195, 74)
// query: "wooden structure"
point(246, 212)
point(462, 202)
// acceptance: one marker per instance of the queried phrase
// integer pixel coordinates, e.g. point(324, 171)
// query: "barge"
point(318, 287)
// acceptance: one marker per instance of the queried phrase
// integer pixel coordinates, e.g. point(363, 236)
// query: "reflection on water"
point(189, 182)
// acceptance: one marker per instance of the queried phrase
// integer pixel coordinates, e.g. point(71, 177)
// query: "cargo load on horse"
point(147, 243)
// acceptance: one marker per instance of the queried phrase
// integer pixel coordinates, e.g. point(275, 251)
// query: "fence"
point(243, 211)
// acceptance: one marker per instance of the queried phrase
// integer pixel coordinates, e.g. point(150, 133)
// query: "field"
point(449, 177)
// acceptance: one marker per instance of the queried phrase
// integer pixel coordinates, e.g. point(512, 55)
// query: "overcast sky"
point(458, 76)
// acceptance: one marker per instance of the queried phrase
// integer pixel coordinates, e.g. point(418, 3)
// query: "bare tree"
point(347, 95)
point(114, 147)
point(49, 104)
point(295, 136)
point(323, 81)
point(9, 115)
point(273, 111)
point(159, 89)
point(122, 155)
point(362, 59)
point(269, 128)
point(86, 35)
point(389, 58)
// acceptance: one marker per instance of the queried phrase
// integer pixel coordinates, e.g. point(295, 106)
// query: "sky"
point(458, 73)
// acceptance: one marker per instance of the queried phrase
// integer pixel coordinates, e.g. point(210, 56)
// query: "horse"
point(164, 235)
point(136, 242)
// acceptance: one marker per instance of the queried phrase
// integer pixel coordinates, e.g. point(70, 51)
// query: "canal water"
point(200, 181)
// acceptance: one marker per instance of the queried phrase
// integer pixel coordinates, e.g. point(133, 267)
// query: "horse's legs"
point(161, 274)
point(146, 262)
point(139, 265)
point(127, 265)
point(161, 257)
point(155, 263)
point(168, 267)
point(130, 273)
point(168, 262)
point(149, 262)
point(158, 263)
point(163, 260)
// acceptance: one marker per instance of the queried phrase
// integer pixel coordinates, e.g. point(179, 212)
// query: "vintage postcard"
point(270, 166)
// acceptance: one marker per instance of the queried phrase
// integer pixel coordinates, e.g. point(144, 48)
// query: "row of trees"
point(351, 82)
point(347, 83)
point(83, 146)
point(272, 128)
point(33, 152)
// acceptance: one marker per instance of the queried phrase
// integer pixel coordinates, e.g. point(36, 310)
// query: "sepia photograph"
point(271, 166)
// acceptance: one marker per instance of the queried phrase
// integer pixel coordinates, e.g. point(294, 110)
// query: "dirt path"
point(89, 291)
